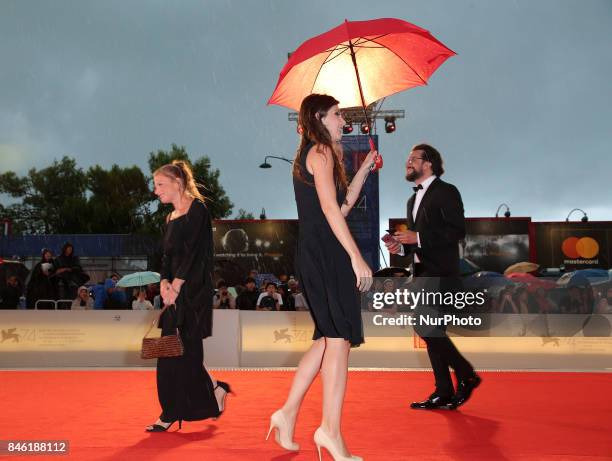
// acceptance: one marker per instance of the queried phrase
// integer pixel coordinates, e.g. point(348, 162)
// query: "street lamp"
point(507, 212)
point(584, 218)
point(265, 164)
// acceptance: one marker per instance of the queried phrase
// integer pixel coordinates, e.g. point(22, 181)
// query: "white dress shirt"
point(415, 209)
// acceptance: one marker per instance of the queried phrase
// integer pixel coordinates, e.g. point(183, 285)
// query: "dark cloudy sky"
point(522, 115)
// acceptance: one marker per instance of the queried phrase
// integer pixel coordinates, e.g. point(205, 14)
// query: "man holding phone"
point(436, 224)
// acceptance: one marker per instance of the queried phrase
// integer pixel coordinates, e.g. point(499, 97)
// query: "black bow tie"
point(416, 188)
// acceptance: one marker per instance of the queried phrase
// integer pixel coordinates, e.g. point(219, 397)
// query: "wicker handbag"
point(164, 346)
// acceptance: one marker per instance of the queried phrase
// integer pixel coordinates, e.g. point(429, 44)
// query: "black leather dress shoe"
point(434, 402)
point(465, 387)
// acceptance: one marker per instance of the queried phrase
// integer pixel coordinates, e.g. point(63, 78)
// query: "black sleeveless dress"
point(324, 268)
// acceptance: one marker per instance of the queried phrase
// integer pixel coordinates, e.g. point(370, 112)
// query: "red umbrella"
point(360, 62)
point(532, 282)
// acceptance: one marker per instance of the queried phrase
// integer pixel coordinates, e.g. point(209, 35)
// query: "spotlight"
point(365, 128)
point(389, 124)
point(348, 127)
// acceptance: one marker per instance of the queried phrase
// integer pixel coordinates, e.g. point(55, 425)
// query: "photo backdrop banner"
point(575, 245)
point(492, 244)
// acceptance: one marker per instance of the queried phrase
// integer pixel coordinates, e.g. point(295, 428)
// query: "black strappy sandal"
point(160, 428)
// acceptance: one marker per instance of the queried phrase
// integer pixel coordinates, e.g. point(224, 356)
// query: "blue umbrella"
point(486, 279)
point(573, 279)
point(467, 267)
point(139, 279)
point(595, 276)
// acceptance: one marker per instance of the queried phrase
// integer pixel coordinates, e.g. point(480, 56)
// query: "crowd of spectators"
point(261, 293)
point(63, 278)
point(521, 299)
point(61, 283)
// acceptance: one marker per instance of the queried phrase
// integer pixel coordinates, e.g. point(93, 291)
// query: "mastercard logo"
point(584, 247)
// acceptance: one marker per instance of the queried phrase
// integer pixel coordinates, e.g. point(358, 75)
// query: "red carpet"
point(513, 416)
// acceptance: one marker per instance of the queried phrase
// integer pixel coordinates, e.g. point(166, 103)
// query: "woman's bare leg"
point(334, 371)
point(307, 370)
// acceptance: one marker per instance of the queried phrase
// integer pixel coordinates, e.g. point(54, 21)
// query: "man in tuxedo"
point(436, 224)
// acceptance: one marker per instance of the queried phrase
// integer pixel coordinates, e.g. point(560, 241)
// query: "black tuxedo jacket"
point(440, 223)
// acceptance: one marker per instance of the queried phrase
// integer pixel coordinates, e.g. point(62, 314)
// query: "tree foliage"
point(51, 198)
point(62, 198)
point(244, 214)
point(119, 199)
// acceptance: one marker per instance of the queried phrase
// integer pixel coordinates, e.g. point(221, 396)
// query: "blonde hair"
point(180, 170)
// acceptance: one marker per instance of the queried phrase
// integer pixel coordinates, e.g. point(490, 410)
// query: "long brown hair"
point(314, 107)
point(178, 169)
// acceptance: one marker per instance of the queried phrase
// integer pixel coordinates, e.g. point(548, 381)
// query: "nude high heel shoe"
point(278, 422)
point(321, 439)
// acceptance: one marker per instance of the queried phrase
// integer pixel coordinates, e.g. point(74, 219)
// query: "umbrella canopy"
point(486, 279)
point(139, 279)
point(488, 274)
point(467, 267)
point(522, 268)
point(573, 279)
point(10, 268)
point(360, 62)
point(532, 282)
point(595, 276)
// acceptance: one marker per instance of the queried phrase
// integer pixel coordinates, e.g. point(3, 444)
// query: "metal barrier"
point(54, 302)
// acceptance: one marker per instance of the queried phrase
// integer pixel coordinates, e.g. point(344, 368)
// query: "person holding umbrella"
point(330, 269)
point(185, 389)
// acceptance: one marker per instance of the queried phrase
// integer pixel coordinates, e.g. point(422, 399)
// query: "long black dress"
point(184, 388)
point(324, 267)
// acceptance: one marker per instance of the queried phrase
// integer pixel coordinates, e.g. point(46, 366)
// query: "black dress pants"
point(441, 350)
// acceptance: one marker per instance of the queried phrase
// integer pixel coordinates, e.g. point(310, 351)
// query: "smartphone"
point(387, 238)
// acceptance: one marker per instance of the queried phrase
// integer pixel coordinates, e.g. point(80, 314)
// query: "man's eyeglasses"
point(412, 159)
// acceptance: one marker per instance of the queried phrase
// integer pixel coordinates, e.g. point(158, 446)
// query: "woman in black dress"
point(185, 389)
point(330, 268)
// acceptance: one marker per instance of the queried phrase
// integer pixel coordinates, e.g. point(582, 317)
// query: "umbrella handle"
point(378, 161)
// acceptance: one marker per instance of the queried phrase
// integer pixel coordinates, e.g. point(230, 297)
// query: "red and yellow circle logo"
point(585, 247)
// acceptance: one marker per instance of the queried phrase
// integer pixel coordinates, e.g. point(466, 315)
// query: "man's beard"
point(413, 175)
